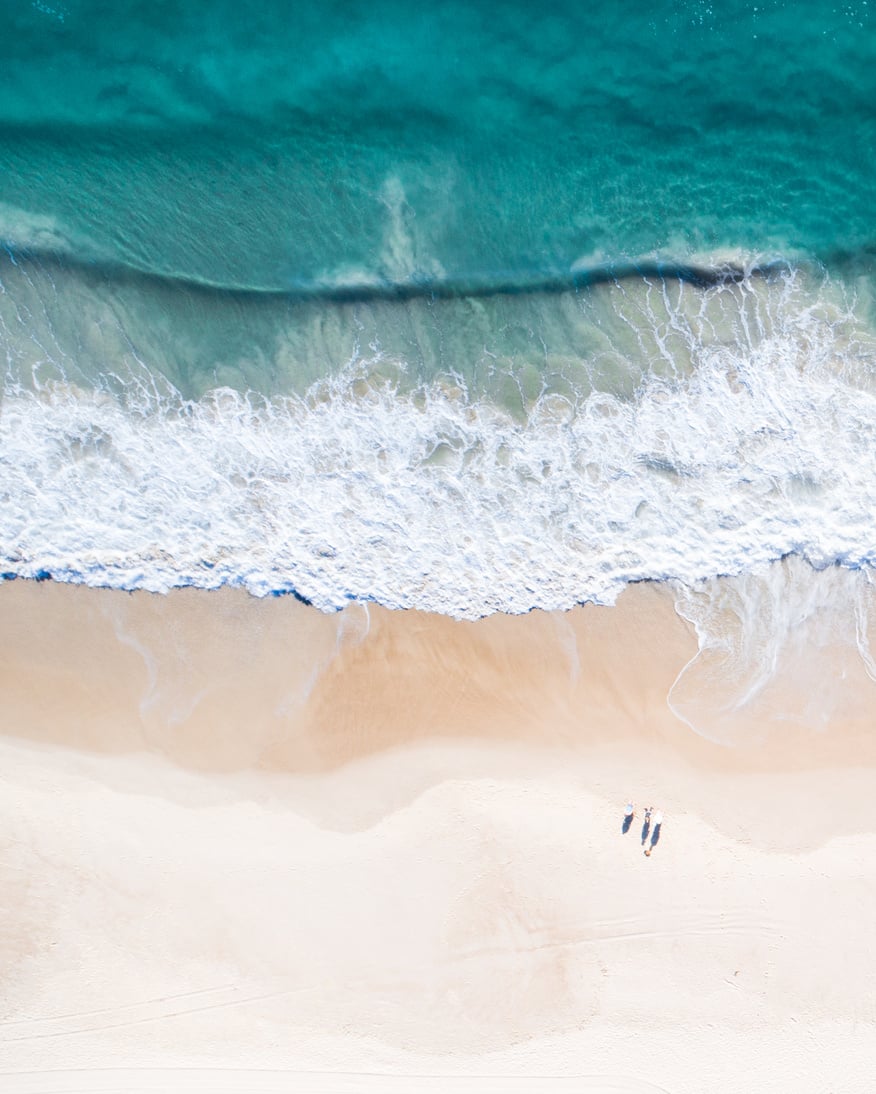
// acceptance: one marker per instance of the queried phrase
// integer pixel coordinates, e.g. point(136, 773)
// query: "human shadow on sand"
point(655, 836)
point(628, 821)
point(646, 828)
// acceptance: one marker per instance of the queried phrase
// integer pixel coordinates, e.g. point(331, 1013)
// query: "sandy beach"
point(424, 430)
point(246, 846)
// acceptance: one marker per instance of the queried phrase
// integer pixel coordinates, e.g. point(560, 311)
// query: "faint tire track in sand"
point(632, 928)
point(79, 1014)
point(163, 1008)
point(149, 1011)
point(222, 1081)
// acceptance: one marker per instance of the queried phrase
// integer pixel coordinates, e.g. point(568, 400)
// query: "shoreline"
point(183, 673)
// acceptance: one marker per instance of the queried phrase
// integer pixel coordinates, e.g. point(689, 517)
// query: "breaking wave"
point(431, 495)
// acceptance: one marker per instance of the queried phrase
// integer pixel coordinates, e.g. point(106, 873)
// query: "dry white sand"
point(247, 847)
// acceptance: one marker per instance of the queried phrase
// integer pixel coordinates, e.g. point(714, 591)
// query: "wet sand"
point(321, 851)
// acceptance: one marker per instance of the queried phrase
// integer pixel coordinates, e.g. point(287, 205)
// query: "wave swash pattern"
point(754, 440)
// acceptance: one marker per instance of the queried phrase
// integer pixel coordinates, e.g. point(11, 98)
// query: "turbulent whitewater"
point(747, 433)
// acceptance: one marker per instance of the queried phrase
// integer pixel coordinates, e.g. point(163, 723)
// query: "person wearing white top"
point(655, 832)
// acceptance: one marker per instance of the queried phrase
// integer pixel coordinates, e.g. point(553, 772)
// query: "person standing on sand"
point(647, 825)
point(655, 835)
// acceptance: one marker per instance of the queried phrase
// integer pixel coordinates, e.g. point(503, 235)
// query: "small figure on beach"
point(646, 827)
point(655, 835)
point(629, 813)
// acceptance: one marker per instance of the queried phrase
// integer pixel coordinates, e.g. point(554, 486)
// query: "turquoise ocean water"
point(465, 307)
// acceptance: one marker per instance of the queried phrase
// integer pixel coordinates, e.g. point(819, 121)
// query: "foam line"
point(496, 283)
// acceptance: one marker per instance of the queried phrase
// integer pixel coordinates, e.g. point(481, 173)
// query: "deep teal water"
point(282, 145)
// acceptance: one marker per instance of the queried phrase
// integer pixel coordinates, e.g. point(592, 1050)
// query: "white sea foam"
point(439, 500)
point(780, 643)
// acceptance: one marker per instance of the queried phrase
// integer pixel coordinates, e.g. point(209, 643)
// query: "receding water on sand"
point(222, 681)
